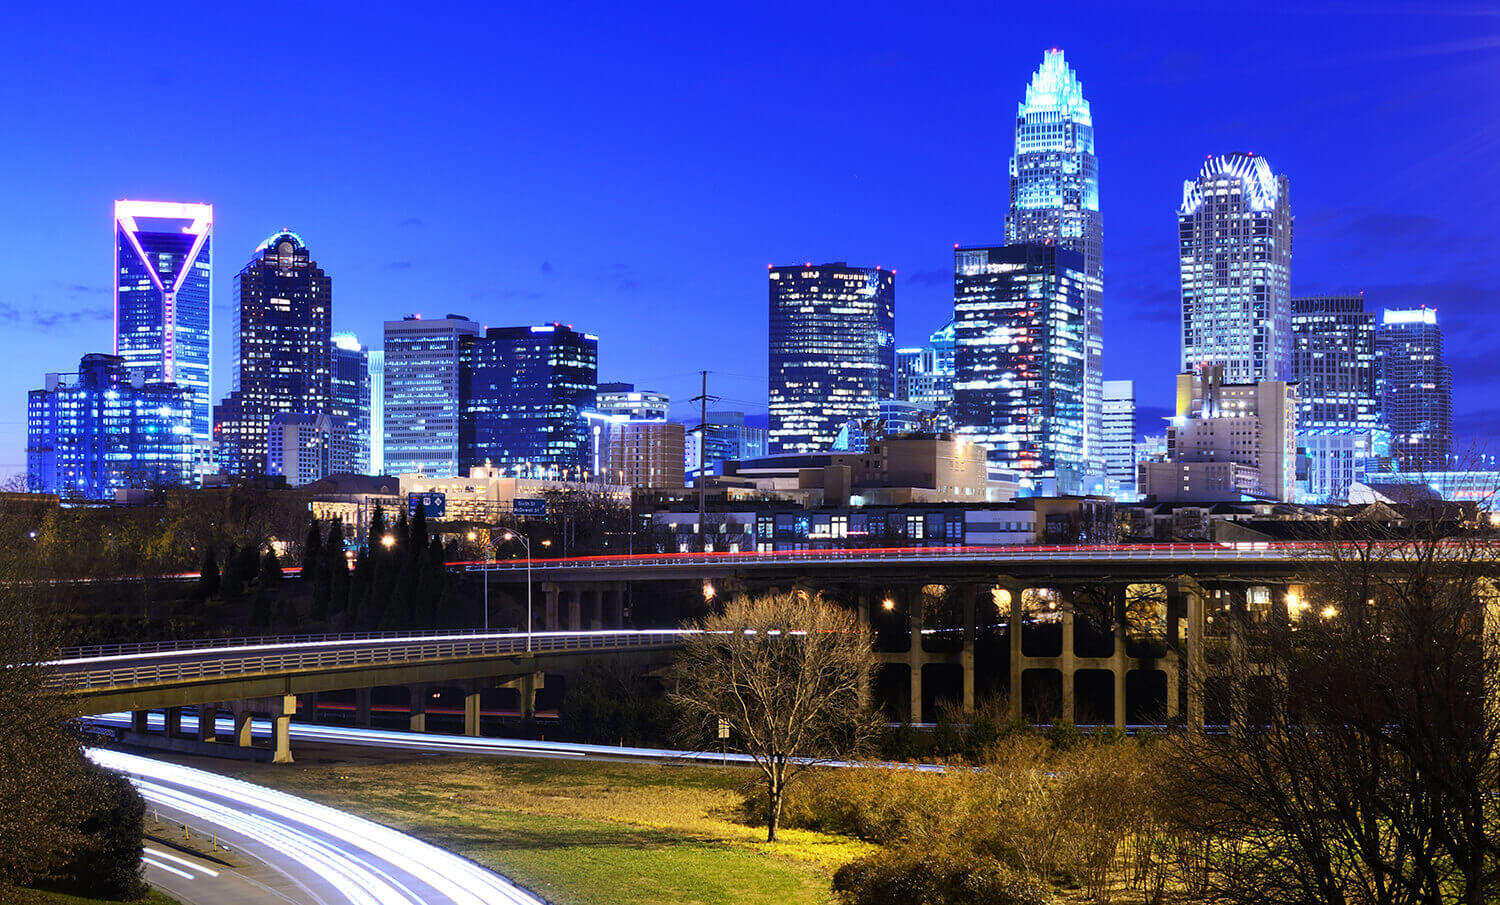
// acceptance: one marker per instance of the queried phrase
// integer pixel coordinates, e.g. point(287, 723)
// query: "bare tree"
point(789, 676)
point(1360, 762)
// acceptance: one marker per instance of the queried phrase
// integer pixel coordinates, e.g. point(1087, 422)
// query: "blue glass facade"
point(419, 387)
point(1019, 329)
point(351, 397)
point(104, 432)
point(523, 392)
point(164, 300)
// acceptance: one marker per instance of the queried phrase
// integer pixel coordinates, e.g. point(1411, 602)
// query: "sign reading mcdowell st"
point(529, 507)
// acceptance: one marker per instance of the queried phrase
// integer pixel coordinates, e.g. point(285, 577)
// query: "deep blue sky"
point(633, 173)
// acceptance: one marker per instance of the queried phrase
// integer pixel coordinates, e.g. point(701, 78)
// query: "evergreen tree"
point(402, 533)
point(359, 591)
point(209, 579)
point(261, 613)
point(270, 569)
point(430, 586)
point(312, 551)
point(338, 569)
point(250, 562)
point(232, 584)
point(377, 526)
point(419, 536)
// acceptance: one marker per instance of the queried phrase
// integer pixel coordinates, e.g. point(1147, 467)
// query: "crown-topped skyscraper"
point(1054, 199)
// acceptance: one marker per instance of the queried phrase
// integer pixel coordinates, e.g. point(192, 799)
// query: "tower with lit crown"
point(1054, 199)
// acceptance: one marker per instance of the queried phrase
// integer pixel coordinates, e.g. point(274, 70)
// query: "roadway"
point(298, 852)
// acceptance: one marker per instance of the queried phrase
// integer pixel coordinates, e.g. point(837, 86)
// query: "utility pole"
point(703, 399)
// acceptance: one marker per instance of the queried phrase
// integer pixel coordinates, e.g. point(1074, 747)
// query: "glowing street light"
point(511, 535)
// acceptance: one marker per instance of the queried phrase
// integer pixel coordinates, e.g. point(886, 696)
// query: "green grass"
point(583, 833)
point(11, 896)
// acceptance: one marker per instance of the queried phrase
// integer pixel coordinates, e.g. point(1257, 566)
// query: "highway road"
point(305, 853)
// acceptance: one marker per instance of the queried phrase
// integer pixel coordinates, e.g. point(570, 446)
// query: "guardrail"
point(327, 655)
point(151, 647)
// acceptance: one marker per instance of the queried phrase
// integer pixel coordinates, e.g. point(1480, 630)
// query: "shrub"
point(925, 876)
point(107, 864)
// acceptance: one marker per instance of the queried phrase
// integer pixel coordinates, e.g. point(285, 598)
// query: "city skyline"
point(1368, 220)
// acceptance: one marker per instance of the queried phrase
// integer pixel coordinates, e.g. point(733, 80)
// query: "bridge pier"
point(550, 592)
point(471, 711)
point(1017, 657)
point(362, 701)
point(417, 708)
point(208, 717)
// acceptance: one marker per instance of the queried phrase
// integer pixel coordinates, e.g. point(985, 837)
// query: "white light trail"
point(169, 869)
point(158, 853)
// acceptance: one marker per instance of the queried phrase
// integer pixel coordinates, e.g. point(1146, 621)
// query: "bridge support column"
point(1017, 655)
point(1187, 602)
point(418, 708)
point(242, 736)
point(471, 711)
point(140, 721)
point(362, 698)
point(1239, 666)
point(966, 655)
point(550, 592)
point(1119, 663)
point(172, 727)
point(575, 608)
point(208, 716)
point(1068, 661)
point(916, 657)
point(281, 729)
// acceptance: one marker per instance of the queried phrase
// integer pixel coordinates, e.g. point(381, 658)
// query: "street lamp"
point(511, 535)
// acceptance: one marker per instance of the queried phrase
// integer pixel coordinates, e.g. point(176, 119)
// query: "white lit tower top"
point(163, 297)
point(1054, 199)
point(1235, 232)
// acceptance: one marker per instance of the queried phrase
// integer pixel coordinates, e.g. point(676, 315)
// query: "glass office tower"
point(1339, 427)
point(1416, 389)
point(523, 392)
point(1020, 322)
point(351, 399)
point(833, 351)
point(421, 394)
point(164, 299)
point(1054, 198)
point(282, 350)
point(1117, 438)
point(1235, 255)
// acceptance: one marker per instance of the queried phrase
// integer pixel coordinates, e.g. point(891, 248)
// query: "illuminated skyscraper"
point(282, 350)
point(1235, 248)
point(421, 394)
point(833, 351)
point(377, 411)
point(924, 375)
point(1416, 389)
point(1117, 441)
point(351, 399)
point(1339, 426)
point(164, 300)
point(1019, 322)
point(1054, 198)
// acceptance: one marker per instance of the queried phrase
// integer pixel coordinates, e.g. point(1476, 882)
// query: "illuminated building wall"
point(1339, 427)
point(1117, 437)
point(351, 397)
point(1054, 198)
point(107, 430)
point(523, 393)
point(833, 351)
point(282, 351)
point(164, 300)
point(306, 447)
point(377, 410)
point(728, 439)
point(1416, 389)
point(625, 399)
point(1235, 255)
point(1019, 328)
point(924, 376)
point(421, 395)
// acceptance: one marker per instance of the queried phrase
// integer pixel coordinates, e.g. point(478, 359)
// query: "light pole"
point(511, 535)
point(488, 549)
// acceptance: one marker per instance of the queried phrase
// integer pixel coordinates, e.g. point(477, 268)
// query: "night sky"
point(633, 173)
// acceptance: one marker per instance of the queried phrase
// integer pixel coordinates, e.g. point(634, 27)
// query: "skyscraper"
point(1235, 249)
point(377, 410)
point(924, 374)
point(164, 300)
point(625, 399)
point(282, 350)
point(523, 392)
point(1019, 326)
point(1339, 426)
point(107, 430)
point(1416, 389)
point(421, 394)
point(1117, 437)
point(351, 397)
point(1054, 198)
point(833, 351)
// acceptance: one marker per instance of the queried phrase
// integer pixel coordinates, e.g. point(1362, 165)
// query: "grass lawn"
point(38, 897)
point(581, 833)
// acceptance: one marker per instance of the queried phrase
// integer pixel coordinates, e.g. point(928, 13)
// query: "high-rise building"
point(833, 351)
point(306, 447)
point(1339, 428)
point(1235, 252)
point(1054, 198)
point(1227, 441)
point(727, 439)
point(523, 393)
point(282, 350)
point(1117, 437)
point(351, 396)
point(625, 399)
point(1416, 389)
point(106, 430)
point(421, 394)
point(924, 375)
point(646, 453)
point(164, 302)
point(1019, 328)
point(376, 359)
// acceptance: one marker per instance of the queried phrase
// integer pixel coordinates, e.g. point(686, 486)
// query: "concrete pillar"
point(173, 723)
point(968, 594)
point(550, 594)
point(915, 657)
point(595, 616)
point(622, 600)
point(1197, 663)
point(528, 696)
point(362, 697)
point(471, 711)
point(281, 730)
point(140, 721)
point(1239, 666)
point(418, 708)
point(208, 715)
point(575, 609)
point(1069, 657)
point(309, 708)
point(1119, 662)
point(242, 736)
point(1017, 658)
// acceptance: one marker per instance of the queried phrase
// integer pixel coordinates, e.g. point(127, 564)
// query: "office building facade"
point(833, 351)
point(1117, 438)
point(108, 429)
point(305, 447)
point(163, 290)
point(376, 358)
point(646, 453)
point(523, 393)
point(1339, 427)
point(283, 333)
point(350, 400)
point(625, 399)
point(421, 394)
point(924, 375)
point(1019, 329)
point(1054, 198)
point(1416, 389)
point(727, 439)
point(1235, 255)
